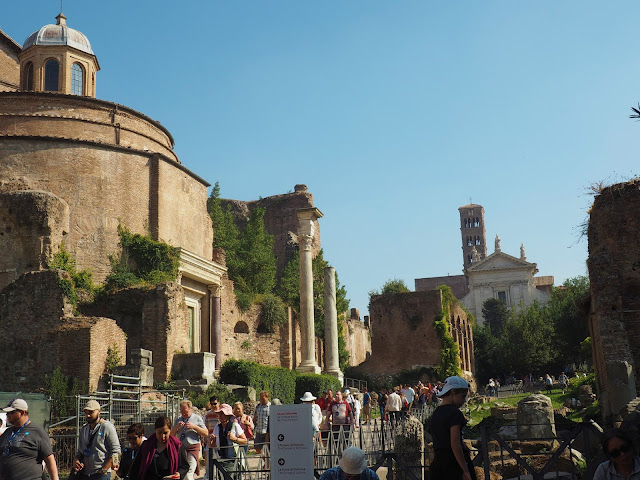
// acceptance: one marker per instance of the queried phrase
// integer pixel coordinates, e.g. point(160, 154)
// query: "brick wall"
point(357, 339)
point(614, 273)
point(402, 331)
point(45, 334)
point(9, 65)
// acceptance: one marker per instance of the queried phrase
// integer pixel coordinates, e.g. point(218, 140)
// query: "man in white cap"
point(189, 427)
point(24, 446)
point(97, 445)
point(353, 466)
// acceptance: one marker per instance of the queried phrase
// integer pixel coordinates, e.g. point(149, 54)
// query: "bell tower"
point(474, 236)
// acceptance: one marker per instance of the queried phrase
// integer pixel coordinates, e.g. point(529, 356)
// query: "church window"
point(502, 296)
point(77, 79)
point(51, 75)
point(469, 241)
point(477, 222)
point(477, 240)
point(28, 77)
point(470, 258)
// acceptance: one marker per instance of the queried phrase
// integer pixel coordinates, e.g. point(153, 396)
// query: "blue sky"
point(393, 113)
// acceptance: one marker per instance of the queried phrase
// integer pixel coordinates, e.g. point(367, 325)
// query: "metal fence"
point(376, 439)
point(122, 404)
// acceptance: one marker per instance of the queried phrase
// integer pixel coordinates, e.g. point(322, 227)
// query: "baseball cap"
point(453, 382)
point(16, 404)
point(92, 405)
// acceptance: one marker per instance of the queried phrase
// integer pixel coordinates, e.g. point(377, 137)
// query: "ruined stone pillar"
point(331, 356)
point(215, 293)
point(306, 229)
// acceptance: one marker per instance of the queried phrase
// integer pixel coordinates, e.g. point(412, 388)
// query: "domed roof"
point(59, 34)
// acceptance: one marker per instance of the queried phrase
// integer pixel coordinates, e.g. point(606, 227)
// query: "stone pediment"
point(500, 261)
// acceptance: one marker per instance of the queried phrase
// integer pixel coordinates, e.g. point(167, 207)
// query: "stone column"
point(331, 356)
point(215, 293)
point(306, 229)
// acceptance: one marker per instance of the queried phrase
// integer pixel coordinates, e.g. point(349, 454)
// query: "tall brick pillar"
point(216, 322)
point(306, 229)
point(331, 356)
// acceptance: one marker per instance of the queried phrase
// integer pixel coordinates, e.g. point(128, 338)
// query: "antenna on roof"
point(60, 6)
point(470, 201)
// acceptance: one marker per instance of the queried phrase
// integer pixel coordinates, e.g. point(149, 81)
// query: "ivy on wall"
point(450, 353)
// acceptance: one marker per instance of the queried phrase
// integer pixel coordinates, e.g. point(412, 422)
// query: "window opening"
point(51, 75)
point(77, 79)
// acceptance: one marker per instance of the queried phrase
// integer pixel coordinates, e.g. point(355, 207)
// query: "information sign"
point(291, 442)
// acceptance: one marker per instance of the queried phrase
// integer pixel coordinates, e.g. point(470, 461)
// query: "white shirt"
point(394, 403)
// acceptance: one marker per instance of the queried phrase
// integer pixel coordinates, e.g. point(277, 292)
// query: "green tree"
point(487, 353)
point(495, 314)
point(253, 268)
point(225, 231)
point(568, 308)
point(527, 341)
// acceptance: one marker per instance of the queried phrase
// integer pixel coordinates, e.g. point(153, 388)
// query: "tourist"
point(410, 395)
point(135, 436)
point(356, 410)
point(261, 422)
point(623, 464)
point(393, 407)
point(161, 456)
point(228, 434)
point(382, 402)
point(564, 382)
point(97, 445)
point(348, 396)
point(189, 427)
point(366, 405)
point(340, 416)
point(24, 446)
point(316, 413)
point(352, 466)
point(548, 383)
point(245, 422)
point(210, 420)
point(451, 458)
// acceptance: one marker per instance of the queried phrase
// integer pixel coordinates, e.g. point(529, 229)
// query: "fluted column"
point(306, 229)
point(331, 356)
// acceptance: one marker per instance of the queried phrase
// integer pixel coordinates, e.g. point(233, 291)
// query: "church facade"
point(501, 276)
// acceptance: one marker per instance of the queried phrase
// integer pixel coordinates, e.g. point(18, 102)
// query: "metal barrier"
point(122, 404)
point(355, 383)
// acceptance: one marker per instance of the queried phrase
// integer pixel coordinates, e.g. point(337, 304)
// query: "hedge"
point(287, 385)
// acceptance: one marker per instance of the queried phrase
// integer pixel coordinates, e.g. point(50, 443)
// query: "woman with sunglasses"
point(622, 463)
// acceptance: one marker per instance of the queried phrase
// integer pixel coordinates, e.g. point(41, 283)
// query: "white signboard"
point(291, 442)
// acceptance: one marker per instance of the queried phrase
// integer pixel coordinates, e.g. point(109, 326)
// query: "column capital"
point(216, 290)
point(306, 220)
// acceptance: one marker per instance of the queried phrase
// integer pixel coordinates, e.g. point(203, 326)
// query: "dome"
point(59, 34)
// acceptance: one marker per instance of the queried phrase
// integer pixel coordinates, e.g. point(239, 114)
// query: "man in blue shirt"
point(353, 466)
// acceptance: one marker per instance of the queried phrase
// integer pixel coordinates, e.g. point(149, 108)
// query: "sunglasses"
point(616, 452)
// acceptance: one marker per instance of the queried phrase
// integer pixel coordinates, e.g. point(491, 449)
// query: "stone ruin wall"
point(614, 273)
point(403, 334)
point(45, 334)
point(280, 220)
point(357, 337)
point(155, 319)
point(278, 349)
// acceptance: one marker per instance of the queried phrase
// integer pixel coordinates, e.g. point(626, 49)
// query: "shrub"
point(62, 390)
point(200, 399)
point(274, 312)
point(279, 382)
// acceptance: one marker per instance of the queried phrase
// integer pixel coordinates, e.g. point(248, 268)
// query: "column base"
point(308, 368)
point(336, 373)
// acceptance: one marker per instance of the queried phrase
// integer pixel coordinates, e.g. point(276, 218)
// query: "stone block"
point(141, 356)
point(194, 365)
point(535, 417)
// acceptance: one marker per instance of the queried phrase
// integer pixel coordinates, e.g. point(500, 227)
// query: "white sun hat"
point(353, 461)
point(307, 397)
